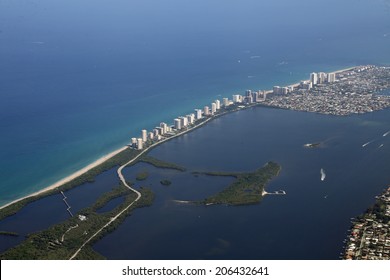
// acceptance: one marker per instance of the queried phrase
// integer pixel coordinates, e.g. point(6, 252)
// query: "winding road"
point(123, 180)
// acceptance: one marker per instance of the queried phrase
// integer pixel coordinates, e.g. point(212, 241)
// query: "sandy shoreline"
point(70, 177)
point(108, 156)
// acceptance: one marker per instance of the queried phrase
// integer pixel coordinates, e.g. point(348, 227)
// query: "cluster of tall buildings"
point(315, 79)
point(155, 134)
point(184, 122)
point(282, 90)
point(179, 123)
point(322, 78)
point(249, 97)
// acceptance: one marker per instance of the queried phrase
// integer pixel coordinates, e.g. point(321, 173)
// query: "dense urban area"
point(352, 91)
point(369, 237)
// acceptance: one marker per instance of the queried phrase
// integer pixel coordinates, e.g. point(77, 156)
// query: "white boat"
point(365, 144)
point(323, 175)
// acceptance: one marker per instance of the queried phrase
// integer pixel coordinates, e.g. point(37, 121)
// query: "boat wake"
point(323, 175)
point(182, 201)
point(365, 144)
point(380, 146)
point(387, 133)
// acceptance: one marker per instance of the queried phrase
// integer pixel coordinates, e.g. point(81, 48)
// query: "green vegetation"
point(107, 197)
point(248, 187)
point(379, 210)
point(165, 182)
point(217, 173)
point(161, 164)
point(62, 240)
point(89, 176)
point(9, 233)
point(142, 176)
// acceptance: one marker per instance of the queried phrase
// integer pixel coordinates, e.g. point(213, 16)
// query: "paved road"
point(123, 180)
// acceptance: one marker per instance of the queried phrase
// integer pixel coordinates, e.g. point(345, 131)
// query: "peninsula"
point(248, 187)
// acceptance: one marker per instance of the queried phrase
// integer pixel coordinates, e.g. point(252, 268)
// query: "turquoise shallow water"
point(73, 91)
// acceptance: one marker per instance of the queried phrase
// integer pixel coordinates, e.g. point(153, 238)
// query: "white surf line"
point(122, 178)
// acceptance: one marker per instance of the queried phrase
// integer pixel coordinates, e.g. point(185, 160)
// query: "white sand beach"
point(70, 177)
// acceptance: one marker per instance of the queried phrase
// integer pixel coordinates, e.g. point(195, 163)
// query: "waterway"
point(310, 222)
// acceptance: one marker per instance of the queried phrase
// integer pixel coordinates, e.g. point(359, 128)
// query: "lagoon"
point(310, 222)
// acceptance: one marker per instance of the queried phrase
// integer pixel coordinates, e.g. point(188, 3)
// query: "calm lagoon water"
point(43, 213)
point(310, 222)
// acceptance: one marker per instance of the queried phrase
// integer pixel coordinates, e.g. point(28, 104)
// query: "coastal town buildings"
point(198, 113)
point(331, 77)
point(184, 121)
point(225, 102)
point(313, 78)
point(369, 236)
point(213, 108)
point(276, 90)
point(237, 98)
point(352, 91)
point(164, 127)
point(177, 124)
point(321, 78)
point(144, 133)
point(139, 144)
point(218, 103)
point(206, 110)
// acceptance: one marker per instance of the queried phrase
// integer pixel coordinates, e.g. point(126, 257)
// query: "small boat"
point(323, 175)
